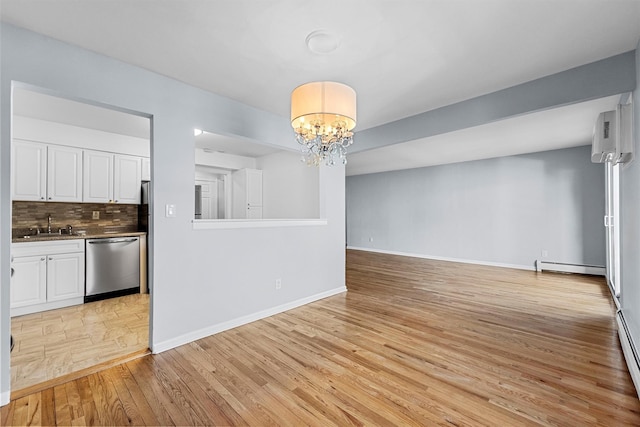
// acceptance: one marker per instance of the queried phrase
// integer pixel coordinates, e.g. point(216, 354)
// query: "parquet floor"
point(54, 343)
point(413, 342)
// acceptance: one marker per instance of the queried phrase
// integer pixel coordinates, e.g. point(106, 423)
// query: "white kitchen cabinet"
point(65, 276)
point(127, 179)
point(45, 172)
point(146, 169)
point(111, 178)
point(28, 170)
point(247, 194)
point(97, 183)
point(46, 275)
point(29, 281)
point(64, 174)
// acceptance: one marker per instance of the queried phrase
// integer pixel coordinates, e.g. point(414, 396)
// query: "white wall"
point(289, 187)
point(502, 211)
point(202, 280)
point(223, 160)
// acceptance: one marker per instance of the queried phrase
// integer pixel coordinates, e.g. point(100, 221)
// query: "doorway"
point(55, 338)
point(611, 223)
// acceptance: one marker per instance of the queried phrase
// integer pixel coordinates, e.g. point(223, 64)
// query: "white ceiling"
point(562, 127)
point(402, 57)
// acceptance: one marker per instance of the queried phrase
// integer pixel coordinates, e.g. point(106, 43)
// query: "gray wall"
point(203, 280)
point(630, 227)
point(503, 211)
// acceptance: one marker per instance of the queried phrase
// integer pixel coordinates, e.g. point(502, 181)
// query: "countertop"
point(88, 235)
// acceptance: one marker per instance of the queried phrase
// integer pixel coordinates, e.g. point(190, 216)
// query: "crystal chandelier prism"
point(323, 115)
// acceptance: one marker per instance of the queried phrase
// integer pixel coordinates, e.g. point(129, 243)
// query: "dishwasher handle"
point(106, 241)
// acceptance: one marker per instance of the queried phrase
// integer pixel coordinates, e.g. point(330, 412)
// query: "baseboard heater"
point(629, 351)
point(570, 268)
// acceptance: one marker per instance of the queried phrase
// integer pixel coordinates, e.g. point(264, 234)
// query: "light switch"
point(170, 211)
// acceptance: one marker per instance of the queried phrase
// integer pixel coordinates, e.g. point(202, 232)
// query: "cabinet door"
point(254, 187)
point(97, 183)
point(65, 276)
point(127, 179)
point(146, 169)
point(28, 171)
point(64, 174)
point(29, 281)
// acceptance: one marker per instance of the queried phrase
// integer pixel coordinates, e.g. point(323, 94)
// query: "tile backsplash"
point(113, 217)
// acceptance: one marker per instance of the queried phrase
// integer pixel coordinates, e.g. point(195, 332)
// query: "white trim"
point(5, 398)
point(570, 268)
point(628, 346)
point(439, 258)
point(211, 224)
point(221, 327)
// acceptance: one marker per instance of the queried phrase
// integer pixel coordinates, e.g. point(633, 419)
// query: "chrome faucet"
point(49, 224)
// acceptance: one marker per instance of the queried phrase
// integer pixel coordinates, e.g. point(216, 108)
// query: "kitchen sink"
point(52, 234)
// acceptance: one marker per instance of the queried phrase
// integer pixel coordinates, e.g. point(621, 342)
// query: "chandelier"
point(323, 115)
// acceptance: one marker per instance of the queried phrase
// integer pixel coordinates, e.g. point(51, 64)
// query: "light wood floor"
point(55, 343)
point(413, 342)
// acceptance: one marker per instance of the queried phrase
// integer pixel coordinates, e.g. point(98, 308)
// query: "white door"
point(29, 281)
point(209, 194)
point(127, 179)
point(254, 212)
point(254, 187)
point(65, 276)
point(611, 221)
point(64, 174)
point(97, 184)
point(28, 171)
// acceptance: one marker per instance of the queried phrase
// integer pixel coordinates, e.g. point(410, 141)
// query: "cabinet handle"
point(41, 198)
point(50, 258)
point(42, 259)
point(49, 198)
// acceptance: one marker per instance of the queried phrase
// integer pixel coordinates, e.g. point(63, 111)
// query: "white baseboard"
point(439, 258)
point(630, 355)
point(220, 327)
point(5, 398)
point(570, 268)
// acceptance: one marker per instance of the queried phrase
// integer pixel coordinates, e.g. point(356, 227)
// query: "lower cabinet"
point(29, 281)
point(46, 275)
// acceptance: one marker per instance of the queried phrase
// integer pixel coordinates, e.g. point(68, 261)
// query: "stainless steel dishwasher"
point(112, 267)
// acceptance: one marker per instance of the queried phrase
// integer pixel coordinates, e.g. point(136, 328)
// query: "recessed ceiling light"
point(322, 42)
point(197, 132)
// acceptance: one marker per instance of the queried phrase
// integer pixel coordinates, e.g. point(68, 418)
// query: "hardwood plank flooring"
point(56, 343)
point(413, 342)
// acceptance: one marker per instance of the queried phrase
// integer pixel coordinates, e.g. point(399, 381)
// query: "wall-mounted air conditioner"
point(624, 147)
point(612, 136)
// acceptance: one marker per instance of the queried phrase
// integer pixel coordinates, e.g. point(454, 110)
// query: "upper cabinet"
point(111, 178)
point(46, 172)
point(146, 169)
point(98, 177)
point(64, 174)
point(29, 171)
point(126, 179)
